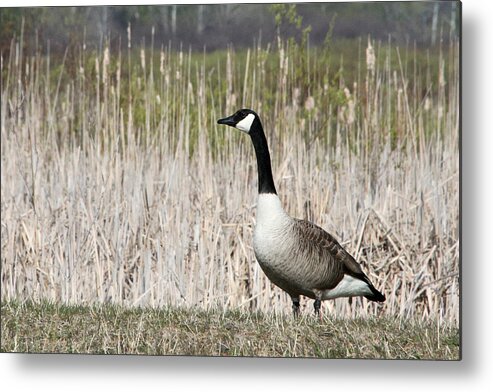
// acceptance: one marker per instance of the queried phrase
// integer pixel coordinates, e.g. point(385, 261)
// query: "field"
point(111, 329)
point(119, 190)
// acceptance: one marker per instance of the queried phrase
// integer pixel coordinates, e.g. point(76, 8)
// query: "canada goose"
point(296, 255)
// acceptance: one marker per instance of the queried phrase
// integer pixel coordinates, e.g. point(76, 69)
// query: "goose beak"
point(227, 121)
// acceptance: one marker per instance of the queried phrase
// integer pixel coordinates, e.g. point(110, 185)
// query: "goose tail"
point(376, 295)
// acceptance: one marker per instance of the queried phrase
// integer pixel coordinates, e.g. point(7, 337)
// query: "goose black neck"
point(265, 180)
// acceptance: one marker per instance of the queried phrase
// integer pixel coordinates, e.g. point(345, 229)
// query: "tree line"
point(215, 26)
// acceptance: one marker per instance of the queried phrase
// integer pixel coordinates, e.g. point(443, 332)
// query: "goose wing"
point(327, 255)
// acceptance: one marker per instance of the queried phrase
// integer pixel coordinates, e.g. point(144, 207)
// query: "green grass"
point(108, 329)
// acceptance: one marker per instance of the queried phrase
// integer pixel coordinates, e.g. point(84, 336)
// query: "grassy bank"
point(107, 329)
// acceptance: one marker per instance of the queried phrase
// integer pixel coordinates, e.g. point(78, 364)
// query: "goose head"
point(244, 120)
point(248, 121)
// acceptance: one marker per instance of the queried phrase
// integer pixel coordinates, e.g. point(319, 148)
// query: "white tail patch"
point(348, 287)
point(245, 124)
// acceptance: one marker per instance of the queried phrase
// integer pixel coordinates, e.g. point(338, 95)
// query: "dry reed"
point(119, 187)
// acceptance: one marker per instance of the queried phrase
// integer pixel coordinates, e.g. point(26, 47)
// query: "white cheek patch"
point(245, 124)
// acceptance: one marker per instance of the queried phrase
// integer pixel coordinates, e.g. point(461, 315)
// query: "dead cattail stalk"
point(155, 206)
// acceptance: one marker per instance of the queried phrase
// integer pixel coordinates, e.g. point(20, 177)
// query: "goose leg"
point(316, 306)
point(296, 306)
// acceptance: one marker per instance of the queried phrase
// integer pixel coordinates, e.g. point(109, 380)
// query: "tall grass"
point(119, 187)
